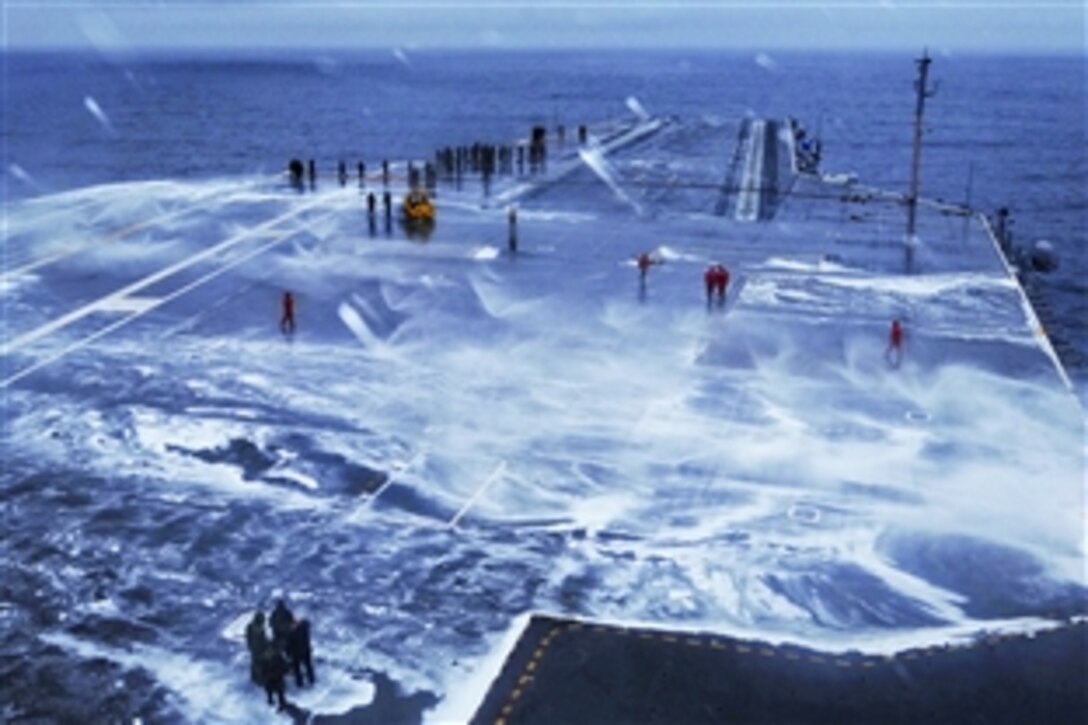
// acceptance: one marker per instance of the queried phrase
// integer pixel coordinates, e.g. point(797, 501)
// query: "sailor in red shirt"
point(716, 279)
point(721, 281)
point(894, 353)
point(644, 263)
point(708, 281)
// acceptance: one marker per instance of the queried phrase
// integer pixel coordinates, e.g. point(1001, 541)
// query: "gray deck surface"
point(562, 671)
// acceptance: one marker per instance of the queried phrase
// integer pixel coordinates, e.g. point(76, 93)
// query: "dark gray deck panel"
point(567, 672)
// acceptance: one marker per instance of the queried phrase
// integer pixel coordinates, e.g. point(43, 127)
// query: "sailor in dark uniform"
point(281, 621)
point(257, 643)
point(274, 668)
point(299, 652)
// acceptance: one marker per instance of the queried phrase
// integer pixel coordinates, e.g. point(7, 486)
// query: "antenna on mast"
point(923, 93)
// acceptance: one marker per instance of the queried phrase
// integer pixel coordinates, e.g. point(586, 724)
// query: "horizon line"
point(136, 51)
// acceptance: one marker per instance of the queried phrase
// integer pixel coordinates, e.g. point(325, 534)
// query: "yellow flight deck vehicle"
point(418, 208)
point(419, 213)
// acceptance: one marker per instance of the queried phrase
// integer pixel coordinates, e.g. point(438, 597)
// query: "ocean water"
point(1001, 131)
point(457, 437)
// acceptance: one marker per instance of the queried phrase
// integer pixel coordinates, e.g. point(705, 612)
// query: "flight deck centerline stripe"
point(111, 237)
point(495, 475)
point(161, 301)
point(80, 313)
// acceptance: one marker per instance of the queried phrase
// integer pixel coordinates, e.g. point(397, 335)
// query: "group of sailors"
point(298, 173)
point(716, 282)
point(452, 162)
point(288, 650)
point(485, 159)
point(715, 277)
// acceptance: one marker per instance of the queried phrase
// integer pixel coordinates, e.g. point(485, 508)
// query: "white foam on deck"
point(695, 451)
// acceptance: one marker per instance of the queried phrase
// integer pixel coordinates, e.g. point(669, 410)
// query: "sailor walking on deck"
point(274, 668)
point(282, 621)
point(644, 261)
point(716, 279)
point(300, 653)
point(894, 353)
point(287, 319)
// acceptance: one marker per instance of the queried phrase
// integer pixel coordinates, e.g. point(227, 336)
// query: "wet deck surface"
point(563, 671)
point(458, 435)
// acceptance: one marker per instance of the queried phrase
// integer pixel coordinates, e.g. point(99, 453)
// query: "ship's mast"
point(923, 94)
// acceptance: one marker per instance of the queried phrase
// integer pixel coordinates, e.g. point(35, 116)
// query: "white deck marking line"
point(568, 166)
point(389, 481)
point(356, 513)
point(111, 237)
point(495, 475)
point(80, 313)
point(189, 322)
point(129, 304)
point(78, 344)
point(380, 491)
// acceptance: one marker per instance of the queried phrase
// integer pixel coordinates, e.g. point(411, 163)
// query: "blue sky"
point(964, 26)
